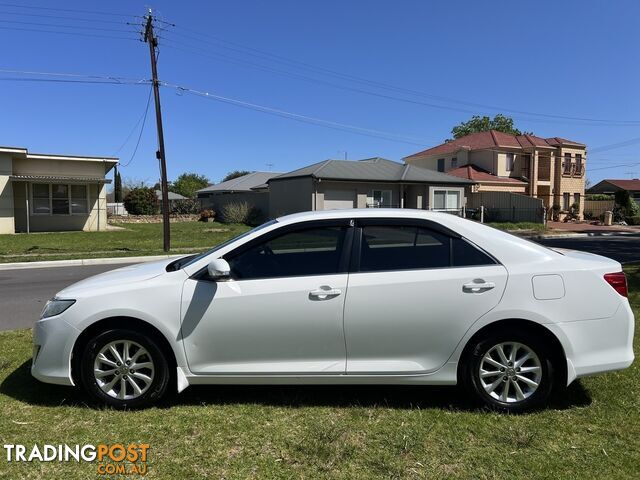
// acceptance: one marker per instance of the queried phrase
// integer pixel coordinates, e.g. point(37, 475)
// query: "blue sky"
point(564, 59)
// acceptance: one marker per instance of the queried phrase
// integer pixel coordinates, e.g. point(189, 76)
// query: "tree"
point(188, 183)
point(141, 201)
point(117, 186)
point(235, 174)
point(477, 123)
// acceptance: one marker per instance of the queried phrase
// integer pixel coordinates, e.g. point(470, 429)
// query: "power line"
point(246, 50)
point(62, 17)
point(301, 118)
point(113, 37)
point(57, 25)
point(615, 166)
point(612, 146)
point(75, 75)
point(92, 12)
point(144, 120)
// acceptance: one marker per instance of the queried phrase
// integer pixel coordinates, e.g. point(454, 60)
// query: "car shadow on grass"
point(21, 386)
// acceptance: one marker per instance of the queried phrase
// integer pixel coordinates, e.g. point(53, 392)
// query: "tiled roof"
point(371, 169)
point(477, 174)
point(245, 183)
point(625, 184)
point(495, 139)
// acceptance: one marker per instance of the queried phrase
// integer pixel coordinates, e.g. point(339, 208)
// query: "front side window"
point(446, 200)
point(59, 199)
point(307, 251)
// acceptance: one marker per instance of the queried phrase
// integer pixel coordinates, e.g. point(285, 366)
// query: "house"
point(251, 188)
point(49, 192)
point(611, 186)
point(173, 198)
point(372, 182)
point(551, 169)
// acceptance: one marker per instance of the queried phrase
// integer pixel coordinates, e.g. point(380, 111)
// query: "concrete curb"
point(577, 235)
point(84, 261)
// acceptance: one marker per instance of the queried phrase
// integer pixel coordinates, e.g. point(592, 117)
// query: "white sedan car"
point(370, 296)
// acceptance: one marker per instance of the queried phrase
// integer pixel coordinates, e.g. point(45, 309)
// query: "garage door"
point(339, 199)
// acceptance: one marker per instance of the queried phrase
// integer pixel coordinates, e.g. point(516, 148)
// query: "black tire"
point(474, 359)
point(155, 389)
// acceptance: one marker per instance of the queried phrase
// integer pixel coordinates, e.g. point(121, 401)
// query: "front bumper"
point(53, 341)
point(598, 346)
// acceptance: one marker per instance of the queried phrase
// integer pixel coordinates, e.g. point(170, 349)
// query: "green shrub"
point(141, 201)
point(240, 212)
point(185, 207)
point(600, 196)
point(635, 220)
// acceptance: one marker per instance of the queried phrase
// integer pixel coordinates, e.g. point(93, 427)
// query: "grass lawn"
point(333, 432)
point(136, 239)
point(509, 226)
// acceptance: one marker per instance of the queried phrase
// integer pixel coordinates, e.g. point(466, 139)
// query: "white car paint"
point(382, 327)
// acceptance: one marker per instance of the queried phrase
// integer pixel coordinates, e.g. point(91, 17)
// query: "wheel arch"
point(130, 323)
point(558, 354)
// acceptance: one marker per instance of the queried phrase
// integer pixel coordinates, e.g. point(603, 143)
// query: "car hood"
point(119, 277)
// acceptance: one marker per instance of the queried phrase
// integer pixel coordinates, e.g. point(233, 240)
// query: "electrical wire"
point(144, 120)
point(92, 12)
point(57, 25)
point(113, 37)
point(61, 17)
point(301, 118)
point(115, 153)
point(246, 50)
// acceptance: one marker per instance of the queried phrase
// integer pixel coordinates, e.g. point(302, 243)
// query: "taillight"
point(619, 282)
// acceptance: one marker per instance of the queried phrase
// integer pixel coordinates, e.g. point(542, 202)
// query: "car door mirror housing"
point(219, 269)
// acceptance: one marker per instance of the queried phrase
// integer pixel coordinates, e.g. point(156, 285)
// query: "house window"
point(578, 164)
point(446, 199)
point(576, 198)
point(509, 165)
point(59, 199)
point(454, 162)
point(441, 164)
point(381, 198)
point(567, 164)
point(566, 198)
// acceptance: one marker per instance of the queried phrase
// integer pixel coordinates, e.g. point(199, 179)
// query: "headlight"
point(55, 306)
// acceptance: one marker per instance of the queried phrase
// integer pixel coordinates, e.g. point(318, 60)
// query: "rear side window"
point(402, 247)
point(310, 251)
point(465, 254)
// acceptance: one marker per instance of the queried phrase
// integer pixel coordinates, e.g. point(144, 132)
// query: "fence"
point(505, 207)
point(116, 209)
point(595, 208)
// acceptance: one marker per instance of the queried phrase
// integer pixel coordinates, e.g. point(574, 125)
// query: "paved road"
point(623, 248)
point(23, 293)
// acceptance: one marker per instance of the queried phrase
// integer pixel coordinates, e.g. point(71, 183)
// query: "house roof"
point(495, 139)
point(58, 178)
point(477, 174)
point(171, 195)
point(245, 183)
point(632, 185)
point(371, 169)
point(49, 156)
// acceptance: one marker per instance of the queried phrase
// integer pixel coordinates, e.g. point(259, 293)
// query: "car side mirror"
point(219, 269)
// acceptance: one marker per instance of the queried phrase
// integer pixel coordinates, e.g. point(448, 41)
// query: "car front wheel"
point(510, 371)
point(124, 369)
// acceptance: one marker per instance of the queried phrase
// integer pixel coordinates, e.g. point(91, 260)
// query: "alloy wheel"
point(123, 369)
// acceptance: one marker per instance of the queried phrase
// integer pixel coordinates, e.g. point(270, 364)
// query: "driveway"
point(24, 292)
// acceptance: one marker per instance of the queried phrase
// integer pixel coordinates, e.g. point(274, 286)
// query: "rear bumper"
point(598, 346)
point(53, 341)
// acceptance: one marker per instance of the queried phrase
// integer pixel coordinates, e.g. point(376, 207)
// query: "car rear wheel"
point(124, 369)
point(510, 371)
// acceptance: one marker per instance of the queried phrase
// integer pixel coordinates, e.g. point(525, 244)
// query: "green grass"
point(509, 226)
point(136, 239)
point(333, 432)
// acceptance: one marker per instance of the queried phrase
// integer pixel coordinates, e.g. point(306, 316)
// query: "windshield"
point(186, 261)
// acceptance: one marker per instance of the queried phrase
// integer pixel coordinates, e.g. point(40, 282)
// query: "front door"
point(282, 312)
point(413, 294)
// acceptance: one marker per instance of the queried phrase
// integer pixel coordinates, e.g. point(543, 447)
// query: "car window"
point(467, 255)
point(398, 247)
point(308, 251)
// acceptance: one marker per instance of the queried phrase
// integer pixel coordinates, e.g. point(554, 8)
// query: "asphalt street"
point(23, 293)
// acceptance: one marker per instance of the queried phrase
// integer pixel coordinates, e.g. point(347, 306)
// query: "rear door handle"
point(325, 292)
point(478, 286)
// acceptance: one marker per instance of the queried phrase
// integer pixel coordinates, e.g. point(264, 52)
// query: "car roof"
point(363, 212)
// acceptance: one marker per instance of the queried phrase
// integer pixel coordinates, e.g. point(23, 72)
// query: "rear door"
point(414, 290)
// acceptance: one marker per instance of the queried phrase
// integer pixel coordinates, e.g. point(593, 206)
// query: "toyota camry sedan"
point(373, 296)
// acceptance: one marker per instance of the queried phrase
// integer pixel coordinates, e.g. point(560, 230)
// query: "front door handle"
point(325, 292)
point(478, 286)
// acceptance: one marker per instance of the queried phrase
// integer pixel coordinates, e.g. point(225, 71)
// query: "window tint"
point(311, 251)
point(402, 248)
point(467, 255)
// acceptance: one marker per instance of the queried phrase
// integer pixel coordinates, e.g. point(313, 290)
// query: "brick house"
point(552, 169)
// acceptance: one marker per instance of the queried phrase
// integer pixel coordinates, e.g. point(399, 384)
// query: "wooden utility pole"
point(150, 38)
